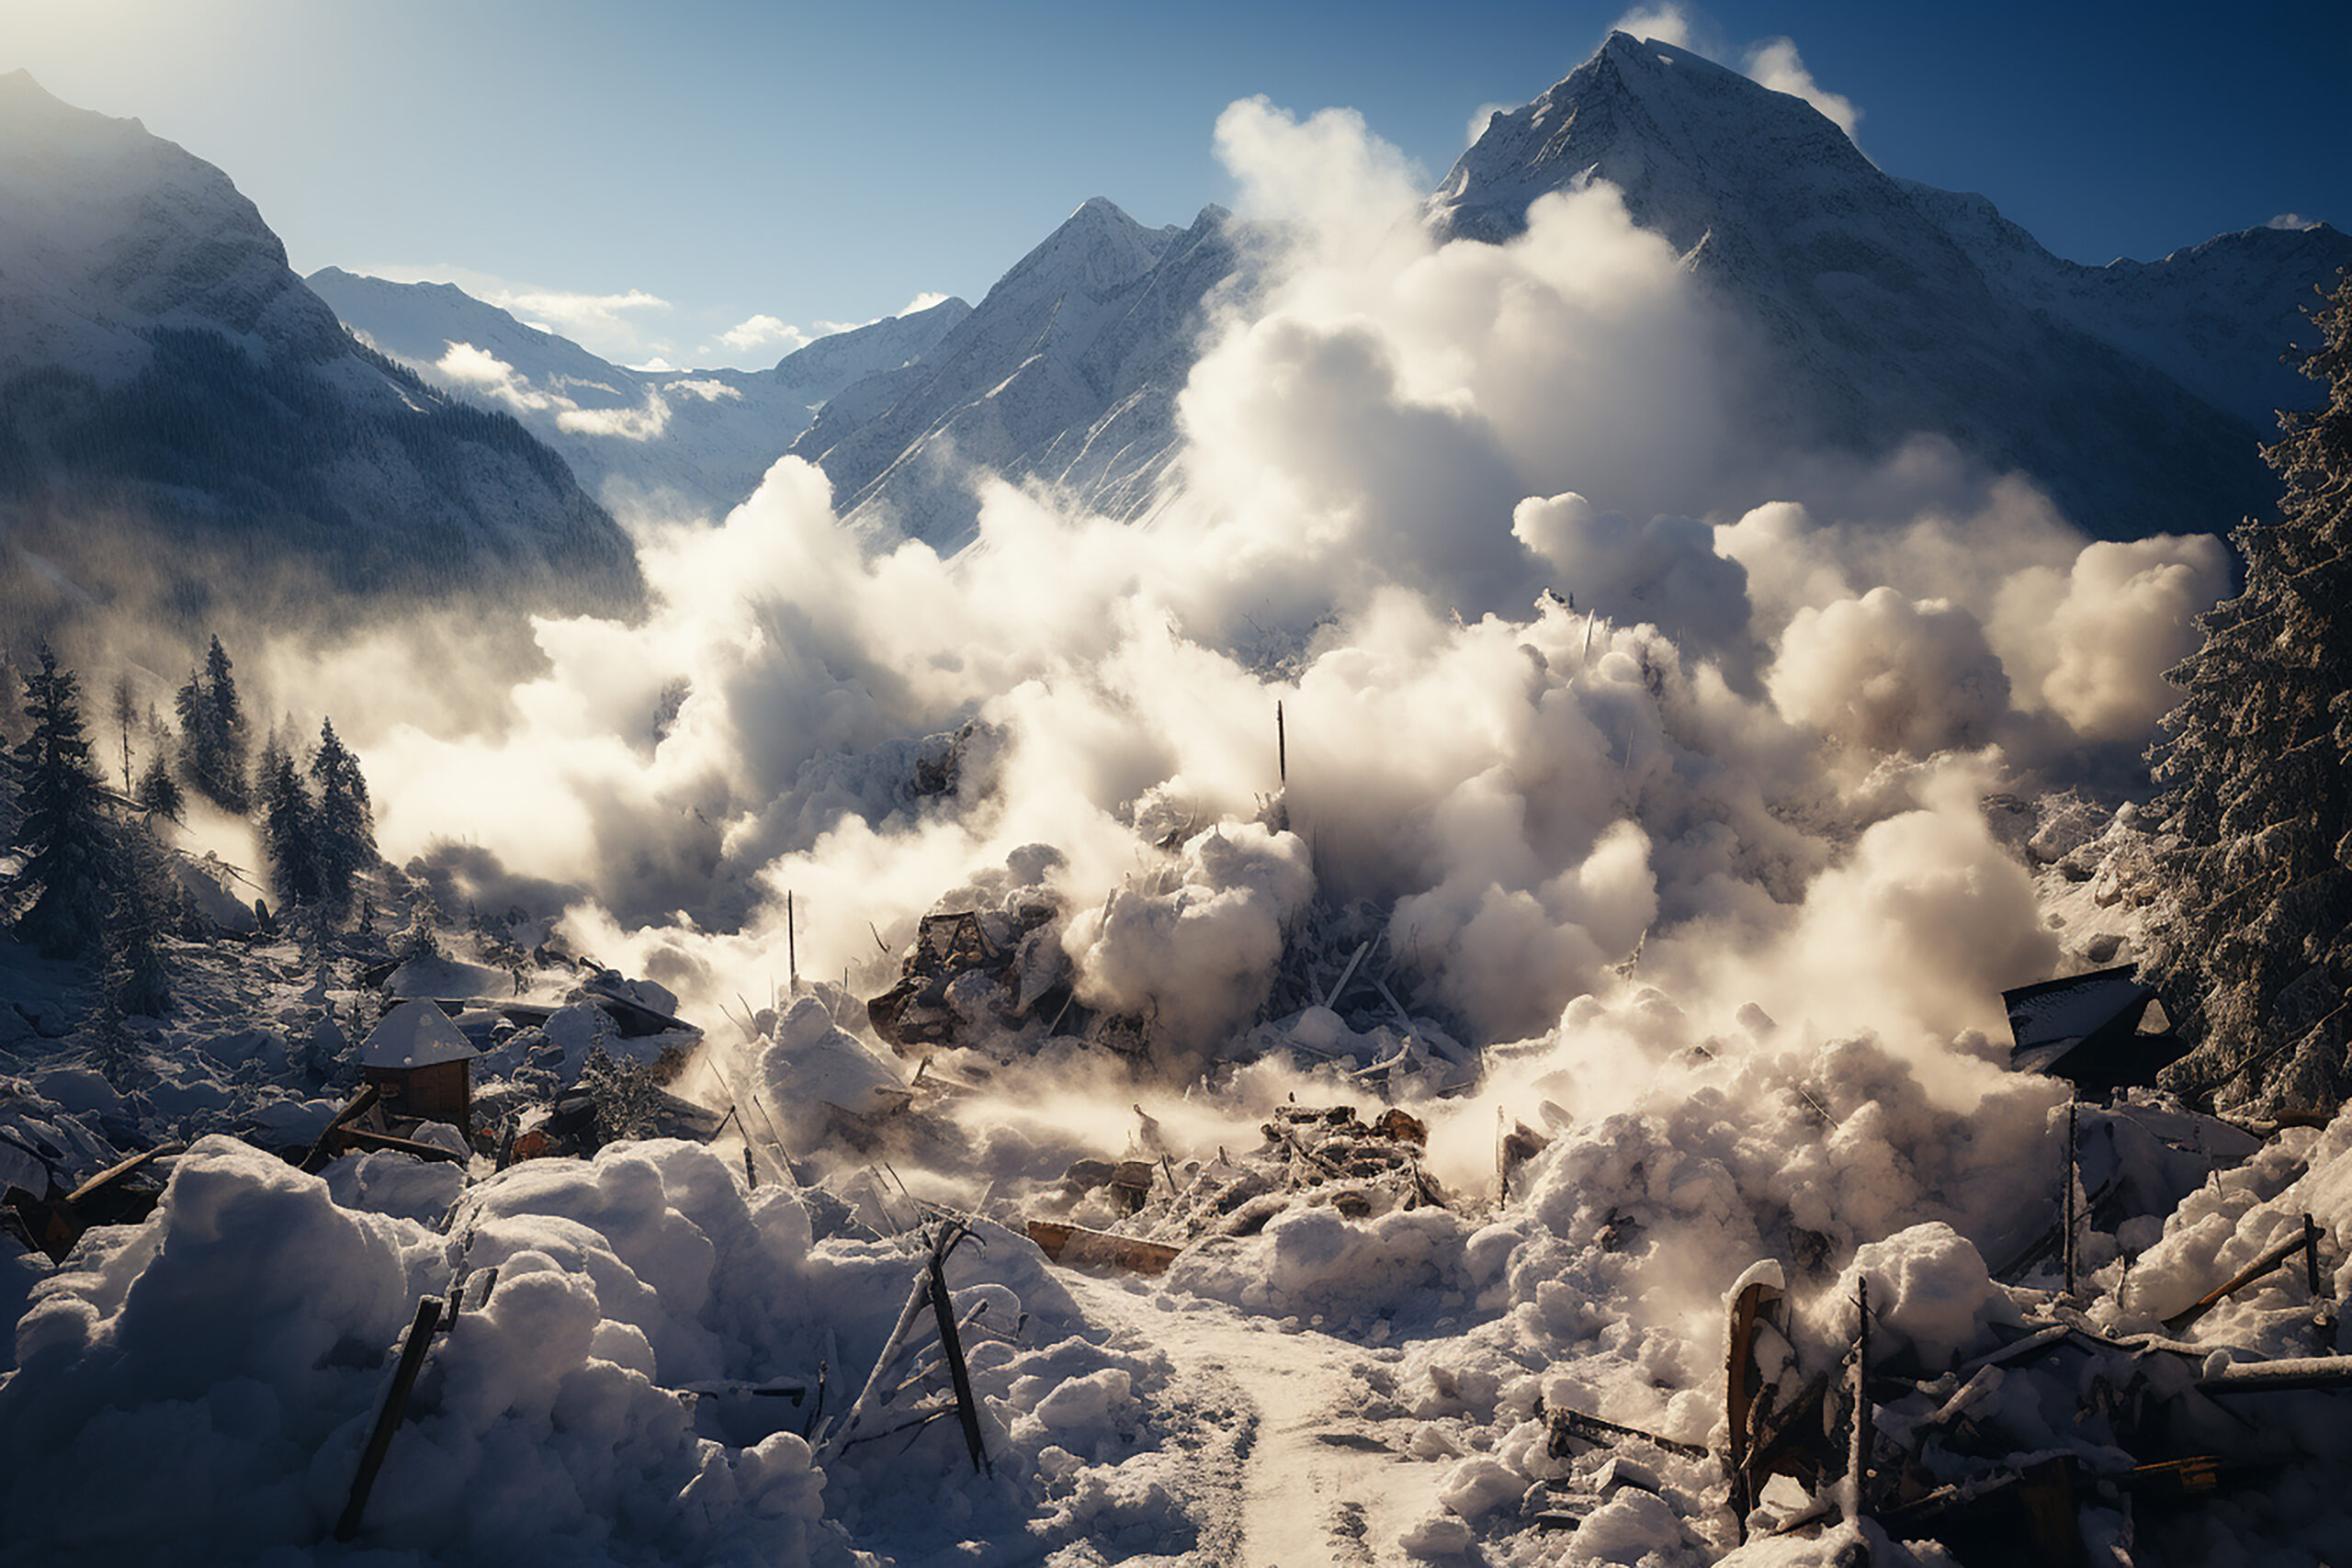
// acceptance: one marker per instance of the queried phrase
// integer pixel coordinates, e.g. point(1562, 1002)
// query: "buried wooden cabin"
point(422, 1067)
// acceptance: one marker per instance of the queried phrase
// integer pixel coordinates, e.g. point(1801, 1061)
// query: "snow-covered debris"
point(824, 1082)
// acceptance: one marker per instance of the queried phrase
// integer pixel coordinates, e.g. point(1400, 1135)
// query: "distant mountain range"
point(160, 364)
point(702, 438)
point(178, 412)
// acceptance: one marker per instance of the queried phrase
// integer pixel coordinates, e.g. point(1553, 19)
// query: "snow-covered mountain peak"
point(107, 231)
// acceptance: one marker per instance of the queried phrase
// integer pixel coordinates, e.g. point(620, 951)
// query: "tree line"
point(93, 880)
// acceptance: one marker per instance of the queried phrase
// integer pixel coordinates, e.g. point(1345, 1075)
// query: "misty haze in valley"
point(1322, 885)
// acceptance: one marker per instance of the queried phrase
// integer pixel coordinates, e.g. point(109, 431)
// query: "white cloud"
point(2292, 220)
point(761, 332)
point(924, 301)
point(612, 325)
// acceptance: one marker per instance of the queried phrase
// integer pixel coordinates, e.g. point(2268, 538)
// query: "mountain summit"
point(173, 399)
point(1066, 371)
point(2132, 392)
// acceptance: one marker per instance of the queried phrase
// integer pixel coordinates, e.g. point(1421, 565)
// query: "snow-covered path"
point(1299, 1462)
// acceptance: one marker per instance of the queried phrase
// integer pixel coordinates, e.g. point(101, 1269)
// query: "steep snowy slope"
point(170, 392)
point(1066, 371)
point(706, 436)
point(1890, 309)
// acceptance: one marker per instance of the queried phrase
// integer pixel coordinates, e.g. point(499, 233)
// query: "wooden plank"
point(119, 1169)
point(359, 1137)
point(2303, 1238)
point(387, 1419)
point(1075, 1246)
point(358, 1106)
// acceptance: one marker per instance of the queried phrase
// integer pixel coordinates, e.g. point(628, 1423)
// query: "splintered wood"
point(1075, 1246)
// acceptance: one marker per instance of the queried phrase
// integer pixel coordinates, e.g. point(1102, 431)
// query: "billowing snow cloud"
point(1573, 731)
point(1772, 62)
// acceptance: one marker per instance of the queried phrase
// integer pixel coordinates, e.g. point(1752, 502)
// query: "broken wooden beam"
point(117, 1170)
point(1568, 1424)
point(1075, 1246)
point(2280, 1377)
point(360, 1137)
point(951, 1345)
point(387, 1419)
point(358, 1106)
point(2306, 1239)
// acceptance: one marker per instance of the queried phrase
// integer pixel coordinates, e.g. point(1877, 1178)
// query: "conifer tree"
point(2252, 947)
point(289, 827)
point(135, 976)
point(126, 714)
point(213, 733)
point(347, 823)
point(59, 827)
point(159, 792)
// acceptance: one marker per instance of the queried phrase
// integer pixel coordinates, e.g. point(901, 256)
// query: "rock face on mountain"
point(173, 400)
point(693, 439)
point(1066, 372)
point(2134, 394)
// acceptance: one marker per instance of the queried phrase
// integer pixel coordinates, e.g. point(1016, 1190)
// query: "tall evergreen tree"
point(134, 977)
point(2252, 946)
point(214, 737)
point(59, 828)
point(289, 827)
point(347, 823)
point(126, 714)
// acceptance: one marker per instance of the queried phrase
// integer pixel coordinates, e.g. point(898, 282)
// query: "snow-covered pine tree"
point(347, 824)
point(59, 828)
point(2252, 945)
point(159, 792)
point(135, 978)
point(213, 733)
point(289, 827)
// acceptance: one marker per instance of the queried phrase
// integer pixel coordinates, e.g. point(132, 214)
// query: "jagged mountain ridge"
point(1066, 371)
point(2136, 393)
point(700, 438)
point(175, 404)
point(2131, 393)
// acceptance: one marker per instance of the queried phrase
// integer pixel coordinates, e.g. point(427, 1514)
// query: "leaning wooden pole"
point(2072, 1167)
point(791, 946)
point(951, 1344)
point(1858, 1455)
point(387, 1419)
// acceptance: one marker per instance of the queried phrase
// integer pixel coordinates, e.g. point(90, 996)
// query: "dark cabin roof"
point(2086, 1029)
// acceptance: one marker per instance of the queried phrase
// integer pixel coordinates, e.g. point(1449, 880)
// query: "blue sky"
point(830, 164)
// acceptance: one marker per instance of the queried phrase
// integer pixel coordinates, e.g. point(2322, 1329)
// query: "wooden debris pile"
point(1146, 1211)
